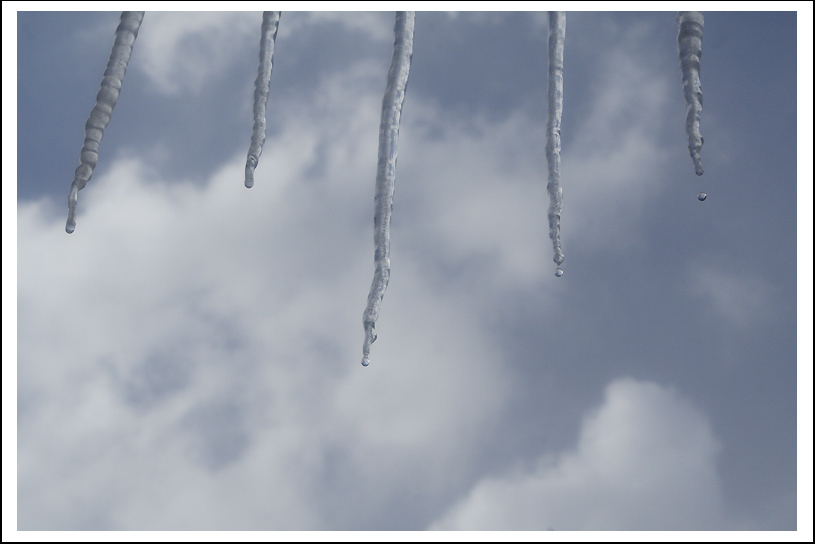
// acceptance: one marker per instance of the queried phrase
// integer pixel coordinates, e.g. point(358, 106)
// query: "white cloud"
point(189, 357)
point(614, 162)
point(645, 460)
point(181, 51)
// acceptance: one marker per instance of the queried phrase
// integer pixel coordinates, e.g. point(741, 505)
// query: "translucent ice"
point(268, 34)
point(386, 170)
point(691, 24)
point(106, 99)
point(557, 35)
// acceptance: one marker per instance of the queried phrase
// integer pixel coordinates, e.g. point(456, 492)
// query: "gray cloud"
point(644, 460)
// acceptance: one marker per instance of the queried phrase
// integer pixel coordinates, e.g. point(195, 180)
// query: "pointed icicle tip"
point(249, 171)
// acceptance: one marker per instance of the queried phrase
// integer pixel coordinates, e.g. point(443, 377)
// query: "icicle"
point(268, 34)
point(691, 24)
point(106, 99)
point(557, 35)
point(386, 170)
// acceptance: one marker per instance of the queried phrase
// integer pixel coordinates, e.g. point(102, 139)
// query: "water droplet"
point(365, 361)
point(702, 196)
point(558, 272)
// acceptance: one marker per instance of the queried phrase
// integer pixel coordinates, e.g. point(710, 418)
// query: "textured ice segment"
point(557, 35)
point(268, 34)
point(691, 24)
point(386, 170)
point(106, 99)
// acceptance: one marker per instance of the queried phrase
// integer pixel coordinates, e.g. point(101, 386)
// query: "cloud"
point(189, 357)
point(181, 51)
point(742, 300)
point(378, 26)
point(645, 460)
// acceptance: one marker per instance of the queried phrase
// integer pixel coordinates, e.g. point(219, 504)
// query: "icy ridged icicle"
point(557, 35)
point(691, 24)
point(386, 170)
point(268, 34)
point(106, 99)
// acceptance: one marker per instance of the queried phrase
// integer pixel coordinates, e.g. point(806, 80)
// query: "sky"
point(189, 358)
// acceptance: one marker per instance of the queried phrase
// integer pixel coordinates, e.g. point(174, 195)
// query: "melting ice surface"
point(268, 34)
point(106, 98)
point(691, 24)
point(386, 171)
point(557, 35)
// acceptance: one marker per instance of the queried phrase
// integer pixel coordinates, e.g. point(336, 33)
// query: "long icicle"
point(691, 24)
point(268, 34)
point(386, 170)
point(106, 99)
point(557, 36)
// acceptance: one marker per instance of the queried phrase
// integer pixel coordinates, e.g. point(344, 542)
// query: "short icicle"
point(268, 34)
point(691, 24)
point(106, 98)
point(386, 170)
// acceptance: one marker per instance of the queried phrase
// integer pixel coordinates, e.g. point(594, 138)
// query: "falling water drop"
point(559, 272)
point(702, 196)
point(365, 361)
